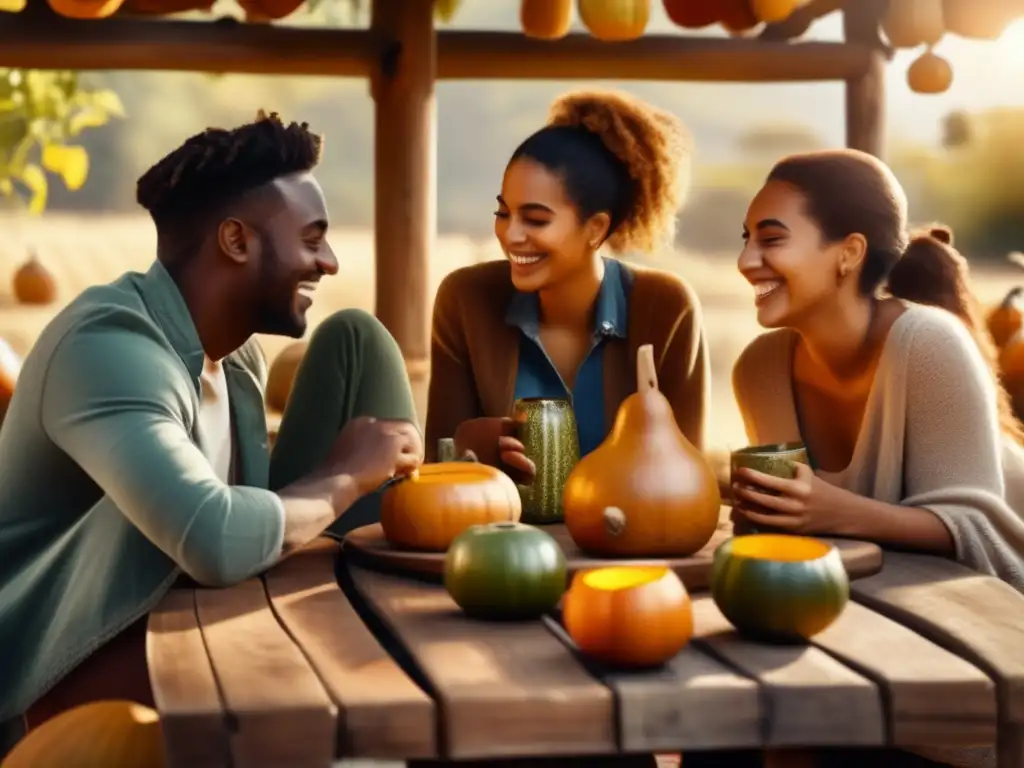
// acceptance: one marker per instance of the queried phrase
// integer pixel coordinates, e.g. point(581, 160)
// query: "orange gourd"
point(979, 19)
point(1011, 371)
point(930, 73)
point(1006, 318)
point(33, 283)
point(692, 14)
point(736, 15)
point(85, 9)
point(770, 11)
point(112, 734)
point(910, 23)
point(429, 509)
point(281, 375)
point(615, 20)
point(628, 616)
point(545, 19)
point(263, 11)
point(646, 490)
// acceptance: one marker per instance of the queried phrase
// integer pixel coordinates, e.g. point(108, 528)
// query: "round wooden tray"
point(366, 546)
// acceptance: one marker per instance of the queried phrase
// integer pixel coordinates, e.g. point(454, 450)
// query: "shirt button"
point(607, 327)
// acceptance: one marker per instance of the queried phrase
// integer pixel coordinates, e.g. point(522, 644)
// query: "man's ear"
point(238, 241)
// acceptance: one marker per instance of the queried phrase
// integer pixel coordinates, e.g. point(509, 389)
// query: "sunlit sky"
point(987, 74)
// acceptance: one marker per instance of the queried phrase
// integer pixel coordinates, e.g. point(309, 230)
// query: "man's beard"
point(277, 313)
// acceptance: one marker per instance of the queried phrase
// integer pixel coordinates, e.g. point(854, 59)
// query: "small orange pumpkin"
point(979, 19)
point(545, 19)
point(1006, 318)
point(615, 20)
point(1011, 371)
point(930, 74)
point(85, 9)
point(112, 734)
point(693, 14)
point(33, 283)
point(281, 375)
point(628, 616)
point(646, 490)
point(771, 11)
point(429, 509)
point(910, 23)
point(736, 15)
point(264, 11)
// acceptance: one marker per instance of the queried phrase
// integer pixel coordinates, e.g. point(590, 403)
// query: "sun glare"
point(1011, 42)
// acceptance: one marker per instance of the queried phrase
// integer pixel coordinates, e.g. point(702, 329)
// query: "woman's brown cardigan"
point(474, 353)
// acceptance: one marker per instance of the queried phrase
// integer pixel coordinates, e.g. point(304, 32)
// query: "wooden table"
point(293, 670)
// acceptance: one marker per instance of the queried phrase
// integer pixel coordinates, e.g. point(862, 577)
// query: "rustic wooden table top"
point(315, 662)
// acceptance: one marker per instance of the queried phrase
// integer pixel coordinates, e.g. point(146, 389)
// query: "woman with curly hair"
point(556, 318)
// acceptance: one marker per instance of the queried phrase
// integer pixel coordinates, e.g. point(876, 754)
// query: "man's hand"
point(372, 451)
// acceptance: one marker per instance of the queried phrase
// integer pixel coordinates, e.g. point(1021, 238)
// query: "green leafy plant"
point(41, 115)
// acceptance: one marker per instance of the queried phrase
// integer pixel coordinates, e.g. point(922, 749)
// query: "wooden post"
point(865, 94)
point(405, 208)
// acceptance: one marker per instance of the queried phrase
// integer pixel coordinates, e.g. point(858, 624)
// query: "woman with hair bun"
point(881, 365)
point(555, 318)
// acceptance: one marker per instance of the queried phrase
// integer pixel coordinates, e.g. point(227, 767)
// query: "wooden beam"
point(44, 40)
point(49, 41)
point(865, 93)
point(405, 172)
point(503, 55)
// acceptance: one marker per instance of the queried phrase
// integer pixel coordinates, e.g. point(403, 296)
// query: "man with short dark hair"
point(135, 449)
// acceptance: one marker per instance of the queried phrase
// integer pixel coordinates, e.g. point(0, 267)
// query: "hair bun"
point(654, 147)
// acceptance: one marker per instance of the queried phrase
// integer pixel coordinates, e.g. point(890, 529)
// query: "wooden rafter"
point(43, 40)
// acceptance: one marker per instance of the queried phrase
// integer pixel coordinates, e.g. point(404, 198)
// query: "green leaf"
point(71, 163)
point(34, 179)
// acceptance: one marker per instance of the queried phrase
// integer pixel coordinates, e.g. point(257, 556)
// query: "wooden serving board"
point(366, 546)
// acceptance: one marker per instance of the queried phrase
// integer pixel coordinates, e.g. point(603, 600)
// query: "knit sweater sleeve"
point(953, 449)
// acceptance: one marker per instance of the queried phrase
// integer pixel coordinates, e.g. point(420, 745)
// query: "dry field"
point(85, 250)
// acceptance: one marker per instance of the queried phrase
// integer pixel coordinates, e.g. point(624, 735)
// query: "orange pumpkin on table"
point(628, 616)
point(429, 509)
point(646, 490)
point(85, 9)
point(1006, 318)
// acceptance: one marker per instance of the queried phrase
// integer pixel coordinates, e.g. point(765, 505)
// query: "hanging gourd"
point(614, 20)
point(545, 19)
point(692, 14)
point(777, 587)
point(112, 734)
point(281, 375)
point(265, 11)
point(628, 616)
point(736, 16)
point(85, 9)
point(771, 11)
point(426, 511)
point(930, 74)
point(505, 571)
point(979, 19)
point(910, 23)
point(646, 490)
point(1005, 319)
point(33, 283)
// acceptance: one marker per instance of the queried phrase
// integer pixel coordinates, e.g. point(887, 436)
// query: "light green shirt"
point(105, 495)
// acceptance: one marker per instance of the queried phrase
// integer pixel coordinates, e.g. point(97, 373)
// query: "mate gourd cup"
point(547, 429)
point(772, 459)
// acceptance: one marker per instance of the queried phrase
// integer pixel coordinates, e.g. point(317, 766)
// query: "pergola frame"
point(403, 55)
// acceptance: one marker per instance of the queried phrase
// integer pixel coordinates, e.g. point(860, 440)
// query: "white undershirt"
point(215, 418)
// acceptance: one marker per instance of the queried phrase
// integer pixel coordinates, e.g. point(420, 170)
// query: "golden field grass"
point(85, 250)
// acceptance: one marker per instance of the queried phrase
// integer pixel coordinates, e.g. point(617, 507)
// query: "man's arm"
point(115, 400)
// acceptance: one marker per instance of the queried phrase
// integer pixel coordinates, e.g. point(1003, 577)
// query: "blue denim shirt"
point(537, 377)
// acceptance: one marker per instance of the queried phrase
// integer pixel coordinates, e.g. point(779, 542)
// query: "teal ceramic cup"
point(774, 459)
